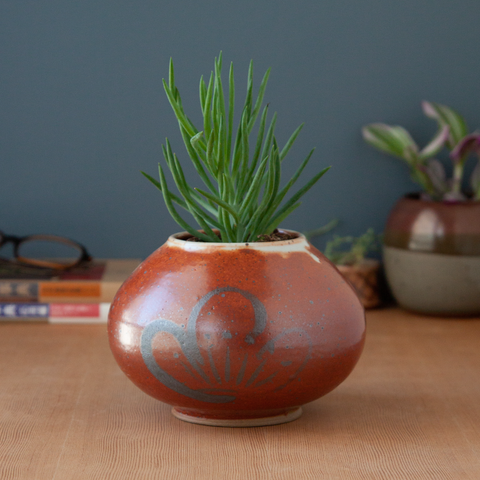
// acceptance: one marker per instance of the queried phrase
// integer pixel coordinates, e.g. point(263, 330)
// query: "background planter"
point(236, 334)
point(364, 279)
point(432, 256)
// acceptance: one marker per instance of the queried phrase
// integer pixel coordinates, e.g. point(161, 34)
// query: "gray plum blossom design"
point(251, 372)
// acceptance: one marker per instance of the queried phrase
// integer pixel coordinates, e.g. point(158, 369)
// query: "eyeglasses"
point(45, 251)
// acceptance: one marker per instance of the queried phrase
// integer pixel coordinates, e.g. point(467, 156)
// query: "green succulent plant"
point(318, 232)
point(424, 169)
point(357, 248)
point(241, 198)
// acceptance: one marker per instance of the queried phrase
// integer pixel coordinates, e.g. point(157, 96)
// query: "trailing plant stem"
point(457, 176)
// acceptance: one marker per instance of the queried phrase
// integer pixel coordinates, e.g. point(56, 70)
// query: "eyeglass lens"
point(61, 251)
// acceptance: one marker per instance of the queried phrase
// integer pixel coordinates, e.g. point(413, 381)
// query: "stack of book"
point(80, 295)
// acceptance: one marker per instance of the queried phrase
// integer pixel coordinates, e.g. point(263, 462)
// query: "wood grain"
point(410, 410)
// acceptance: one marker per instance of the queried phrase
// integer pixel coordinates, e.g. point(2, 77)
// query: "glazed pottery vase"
point(238, 334)
point(364, 279)
point(432, 256)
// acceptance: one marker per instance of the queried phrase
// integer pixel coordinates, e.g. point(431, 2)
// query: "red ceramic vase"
point(236, 334)
point(432, 255)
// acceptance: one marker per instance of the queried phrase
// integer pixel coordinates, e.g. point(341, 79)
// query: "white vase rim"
point(299, 243)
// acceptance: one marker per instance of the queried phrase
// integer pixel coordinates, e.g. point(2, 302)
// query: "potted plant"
point(432, 239)
point(349, 254)
point(355, 266)
point(235, 321)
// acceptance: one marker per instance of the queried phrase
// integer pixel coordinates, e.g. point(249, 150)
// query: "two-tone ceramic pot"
point(432, 256)
point(238, 334)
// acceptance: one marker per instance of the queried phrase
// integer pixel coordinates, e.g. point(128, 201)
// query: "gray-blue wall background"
point(82, 109)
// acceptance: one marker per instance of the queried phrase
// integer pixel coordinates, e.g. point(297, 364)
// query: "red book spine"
point(74, 310)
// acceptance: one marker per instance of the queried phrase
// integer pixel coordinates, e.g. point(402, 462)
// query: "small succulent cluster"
point(424, 169)
point(347, 250)
point(242, 198)
point(318, 232)
point(352, 250)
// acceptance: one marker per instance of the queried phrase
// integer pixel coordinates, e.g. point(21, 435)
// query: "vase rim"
point(416, 197)
point(179, 240)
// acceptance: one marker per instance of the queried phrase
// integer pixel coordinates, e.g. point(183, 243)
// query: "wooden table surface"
point(410, 410)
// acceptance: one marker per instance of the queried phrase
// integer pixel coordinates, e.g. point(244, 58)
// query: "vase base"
point(241, 422)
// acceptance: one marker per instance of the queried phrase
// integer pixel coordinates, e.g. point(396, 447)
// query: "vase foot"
point(243, 422)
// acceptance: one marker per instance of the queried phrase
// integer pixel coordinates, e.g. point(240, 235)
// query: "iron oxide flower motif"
point(274, 363)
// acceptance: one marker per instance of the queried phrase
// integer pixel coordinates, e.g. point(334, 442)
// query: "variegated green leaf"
point(389, 139)
point(436, 144)
point(446, 116)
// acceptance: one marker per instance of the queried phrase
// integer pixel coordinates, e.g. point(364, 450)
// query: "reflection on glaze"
point(426, 228)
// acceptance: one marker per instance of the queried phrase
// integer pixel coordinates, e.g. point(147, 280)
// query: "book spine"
point(56, 312)
point(18, 291)
point(79, 313)
point(30, 311)
point(15, 291)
